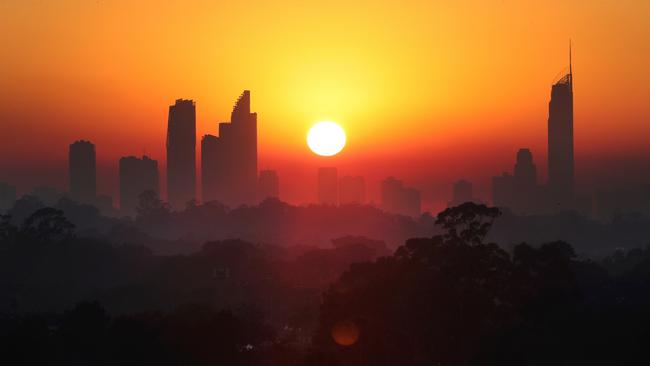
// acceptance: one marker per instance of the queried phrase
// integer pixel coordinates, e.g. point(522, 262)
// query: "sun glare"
point(326, 138)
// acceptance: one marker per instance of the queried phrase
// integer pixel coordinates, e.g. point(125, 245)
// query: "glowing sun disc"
point(326, 138)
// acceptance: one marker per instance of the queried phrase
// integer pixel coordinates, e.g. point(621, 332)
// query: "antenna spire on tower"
point(570, 66)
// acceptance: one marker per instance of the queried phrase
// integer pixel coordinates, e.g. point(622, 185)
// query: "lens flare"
point(345, 333)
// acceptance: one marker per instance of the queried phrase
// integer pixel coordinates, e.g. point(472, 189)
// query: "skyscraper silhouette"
point(461, 193)
point(212, 174)
point(328, 182)
point(352, 190)
point(231, 159)
point(519, 192)
point(525, 170)
point(136, 176)
point(503, 187)
point(560, 142)
point(525, 186)
point(412, 202)
point(181, 150)
point(398, 199)
point(82, 169)
point(268, 185)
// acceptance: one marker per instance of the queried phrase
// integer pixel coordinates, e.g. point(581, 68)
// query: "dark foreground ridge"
point(454, 298)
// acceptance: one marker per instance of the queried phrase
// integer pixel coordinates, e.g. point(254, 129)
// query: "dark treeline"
point(166, 231)
point(589, 237)
point(272, 222)
point(454, 297)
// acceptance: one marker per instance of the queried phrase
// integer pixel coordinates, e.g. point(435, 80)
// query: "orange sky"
point(429, 91)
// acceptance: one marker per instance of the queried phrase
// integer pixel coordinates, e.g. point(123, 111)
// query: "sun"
point(326, 138)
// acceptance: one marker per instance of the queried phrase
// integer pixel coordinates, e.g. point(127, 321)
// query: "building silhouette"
point(503, 187)
point(181, 150)
point(212, 174)
point(519, 192)
point(268, 185)
point(525, 170)
point(461, 192)
point(83, 172)
point(328, 186)
point(352, 190)
point(136, 176)
point(397, 198)
point(560, 142)
point(526, 191)
point(412, 202)
point(7, 196)
point(328, 183)
point(230, 160)
point(615, 203)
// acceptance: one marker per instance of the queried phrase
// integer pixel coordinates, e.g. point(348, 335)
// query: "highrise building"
point(398, 199)
point(525, 187)
point(212, 173)
point(268, 185)
point(181, 150)
point(412, 202)
point(231, 158)
point(391, 189)
point(328, 182)
point(525, 170)
point(615, 202)
point(560, 142)
point(461, 193)
point(7, 197)
point(519, 192)
point(352, 190)
point(82, 169)
point(503, 188)
point(136, 176)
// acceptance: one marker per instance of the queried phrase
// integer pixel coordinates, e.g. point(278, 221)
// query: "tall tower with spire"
point(560, 141)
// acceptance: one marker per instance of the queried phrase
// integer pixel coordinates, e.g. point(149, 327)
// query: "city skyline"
point(462, 105)
point(324, 183)
point(229, 169)
point(187, 115)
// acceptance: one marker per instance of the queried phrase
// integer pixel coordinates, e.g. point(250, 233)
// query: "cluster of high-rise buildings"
point(228, 166)
point(520, 191)
point(229, 171)
point(229, 161)
point(136, 176)
point(351, 190)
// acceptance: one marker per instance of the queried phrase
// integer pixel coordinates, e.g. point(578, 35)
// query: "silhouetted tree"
point(7, 231)
point(47, 225)
point(149, 204)
point(23, 207)
point(153, 215)
point(468, 223)
point(431, 303)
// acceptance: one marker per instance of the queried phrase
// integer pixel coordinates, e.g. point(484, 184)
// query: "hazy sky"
point(429, 91)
